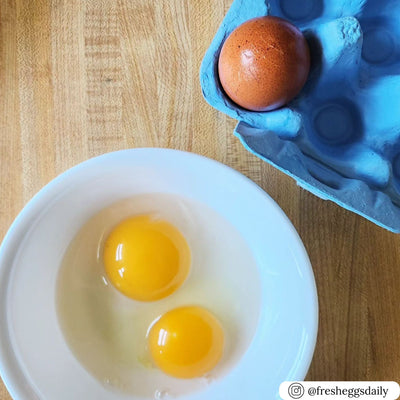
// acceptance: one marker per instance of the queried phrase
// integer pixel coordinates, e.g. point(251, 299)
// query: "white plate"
point(35, 362)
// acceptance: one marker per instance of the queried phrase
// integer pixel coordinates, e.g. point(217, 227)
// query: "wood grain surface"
point(79, 78)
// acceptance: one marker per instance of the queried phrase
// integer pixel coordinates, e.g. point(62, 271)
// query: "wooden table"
point(79, 78)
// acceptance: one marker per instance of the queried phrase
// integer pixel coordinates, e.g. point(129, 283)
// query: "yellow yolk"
point(186, 342)
point(146, 259)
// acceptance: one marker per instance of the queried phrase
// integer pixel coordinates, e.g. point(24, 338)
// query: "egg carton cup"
point(340, 137)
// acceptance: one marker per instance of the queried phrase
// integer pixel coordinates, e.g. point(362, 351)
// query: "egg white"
point(106, 331)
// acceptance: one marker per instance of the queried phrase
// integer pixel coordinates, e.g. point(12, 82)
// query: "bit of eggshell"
point(264, 63)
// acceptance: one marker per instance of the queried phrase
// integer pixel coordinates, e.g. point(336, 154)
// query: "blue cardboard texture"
point(340, 137)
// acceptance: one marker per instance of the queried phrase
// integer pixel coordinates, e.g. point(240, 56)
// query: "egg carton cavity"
point(339, 138)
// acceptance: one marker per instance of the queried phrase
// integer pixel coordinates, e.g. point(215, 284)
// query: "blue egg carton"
point(340, 137)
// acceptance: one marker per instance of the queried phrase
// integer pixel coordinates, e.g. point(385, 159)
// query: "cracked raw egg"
point(158, 295)
point(146, 258)
point(264, 63)
point(186, 342)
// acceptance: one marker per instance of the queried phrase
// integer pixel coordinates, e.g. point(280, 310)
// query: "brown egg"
point(264, 63)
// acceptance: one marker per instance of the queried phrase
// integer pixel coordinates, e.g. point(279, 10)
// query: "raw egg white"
point(139, 338)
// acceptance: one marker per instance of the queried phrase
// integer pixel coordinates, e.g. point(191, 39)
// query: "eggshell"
point(264, 63)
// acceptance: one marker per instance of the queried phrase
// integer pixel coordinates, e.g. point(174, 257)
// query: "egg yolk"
point(186, 342)
point(145, 258)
